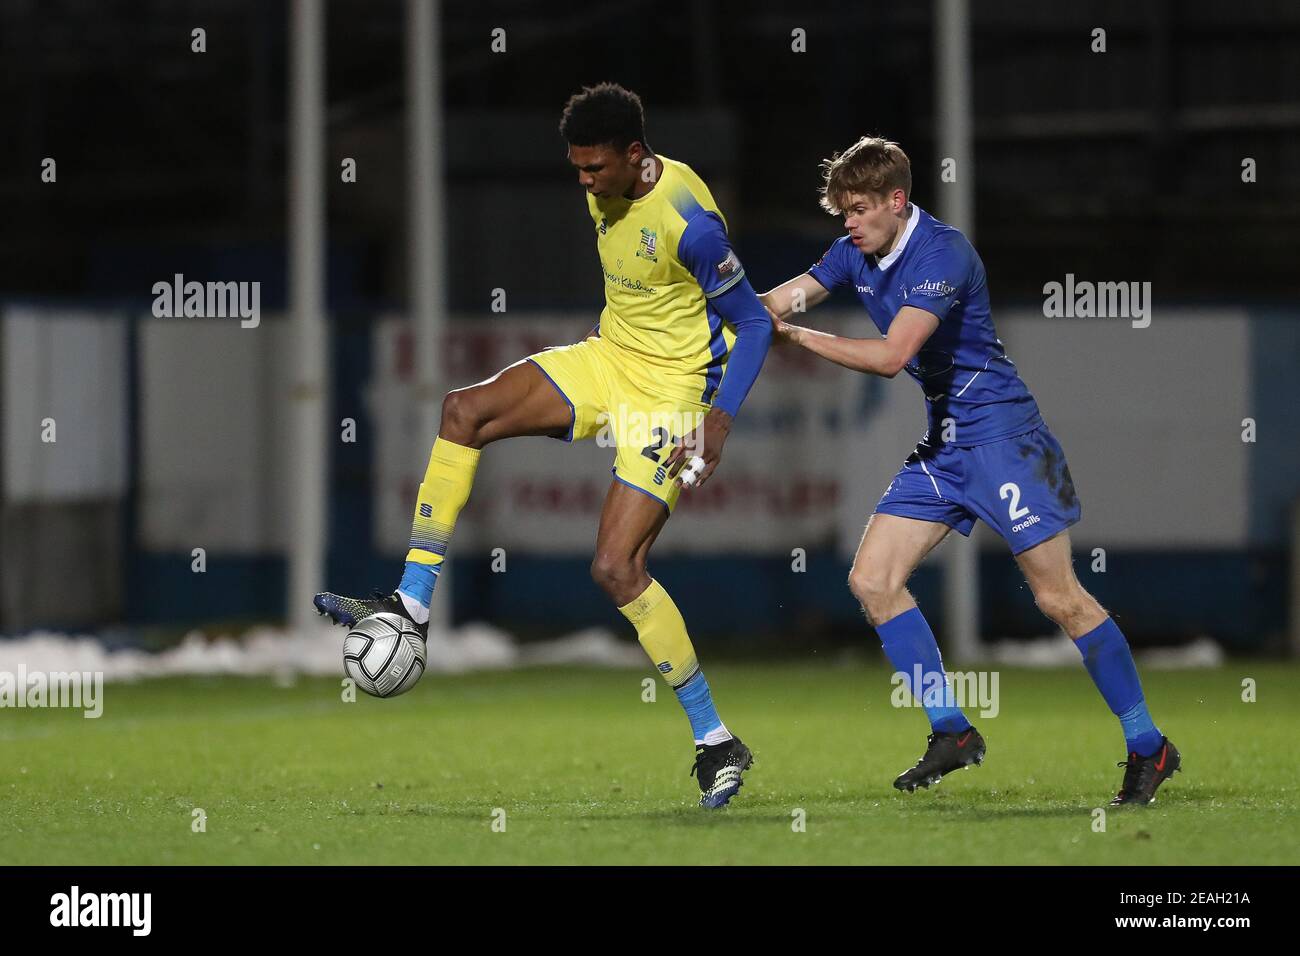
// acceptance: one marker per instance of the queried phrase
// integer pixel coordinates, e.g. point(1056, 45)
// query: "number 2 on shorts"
point(1013, 510)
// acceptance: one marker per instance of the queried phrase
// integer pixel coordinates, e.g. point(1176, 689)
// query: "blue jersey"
point(962, 368)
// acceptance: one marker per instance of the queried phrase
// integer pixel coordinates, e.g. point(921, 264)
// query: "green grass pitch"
point(587, 772)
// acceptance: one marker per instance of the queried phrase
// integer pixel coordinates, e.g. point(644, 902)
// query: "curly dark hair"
point(604, 113)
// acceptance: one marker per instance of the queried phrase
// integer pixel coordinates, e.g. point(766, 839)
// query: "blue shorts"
point(1020, 487)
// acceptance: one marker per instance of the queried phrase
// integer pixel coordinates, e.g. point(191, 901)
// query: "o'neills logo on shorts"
point(1031, 520)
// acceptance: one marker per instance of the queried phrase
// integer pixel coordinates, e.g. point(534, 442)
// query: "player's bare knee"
point(1083, 614)
point(462, 418)
point(1051, 603)
point(1064, 606)
point(617, 575)
point(873, 589)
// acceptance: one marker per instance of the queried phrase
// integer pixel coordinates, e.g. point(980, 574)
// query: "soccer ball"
point(384, 654)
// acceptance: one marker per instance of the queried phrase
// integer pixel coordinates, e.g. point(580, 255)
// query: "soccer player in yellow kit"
point(679, 343)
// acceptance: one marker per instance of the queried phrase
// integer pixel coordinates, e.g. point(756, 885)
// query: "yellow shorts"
point(622, 402)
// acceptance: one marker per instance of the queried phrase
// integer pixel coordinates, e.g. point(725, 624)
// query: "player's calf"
point(1102, 646)
point(721, 758)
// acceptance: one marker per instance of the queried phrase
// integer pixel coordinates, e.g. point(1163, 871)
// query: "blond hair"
point(873, 165)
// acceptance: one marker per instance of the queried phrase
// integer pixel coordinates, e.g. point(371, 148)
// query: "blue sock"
point(696, 700)
point(1110, 662)
point(418, 581)
point(911, 648)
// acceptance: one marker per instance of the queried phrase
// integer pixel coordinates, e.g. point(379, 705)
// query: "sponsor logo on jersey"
point(649, 244)
point(866, 289)
point(934, 288)
point(634, 286)
point(604, 225)
point(665, 667)
point(729, 266)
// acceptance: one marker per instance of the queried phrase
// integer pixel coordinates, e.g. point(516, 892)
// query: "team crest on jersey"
point(649, 245)
point(729, 266)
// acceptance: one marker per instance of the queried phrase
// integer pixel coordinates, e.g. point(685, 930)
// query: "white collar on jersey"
point(912, 220)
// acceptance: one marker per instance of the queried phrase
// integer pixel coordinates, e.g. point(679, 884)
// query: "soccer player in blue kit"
point(987, 453)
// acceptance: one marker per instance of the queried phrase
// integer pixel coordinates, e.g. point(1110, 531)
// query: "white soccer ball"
point(384, 654)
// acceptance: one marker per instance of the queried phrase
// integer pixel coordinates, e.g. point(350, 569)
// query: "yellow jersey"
point(664, 257)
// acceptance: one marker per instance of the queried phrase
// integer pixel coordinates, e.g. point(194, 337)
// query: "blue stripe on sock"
point(418, 581)
point(911, 648)
point(1109, 661)
point(697, 701)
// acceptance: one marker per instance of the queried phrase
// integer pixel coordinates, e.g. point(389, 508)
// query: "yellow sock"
point(662, 632)
point(443, 493)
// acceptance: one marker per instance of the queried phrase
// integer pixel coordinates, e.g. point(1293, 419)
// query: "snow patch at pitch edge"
point(1059, 651)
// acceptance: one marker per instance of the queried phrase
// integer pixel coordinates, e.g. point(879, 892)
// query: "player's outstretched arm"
point(887, 356)
point(794, 297)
